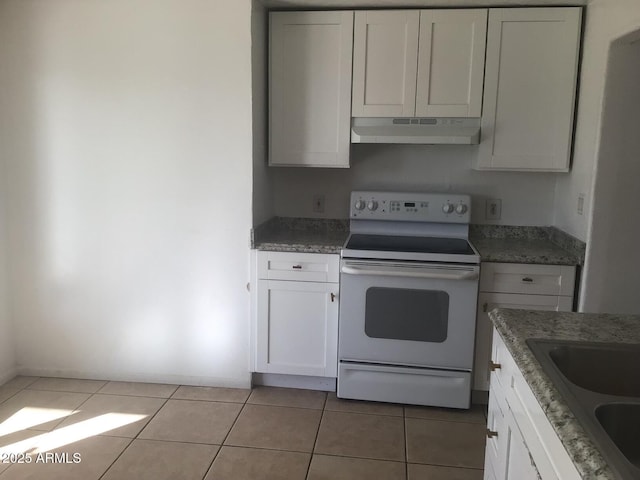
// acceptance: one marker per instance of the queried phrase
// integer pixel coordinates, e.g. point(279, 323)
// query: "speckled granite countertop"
point(308, 235)
point(516, 244)
point(515, 326)
point(495, 243)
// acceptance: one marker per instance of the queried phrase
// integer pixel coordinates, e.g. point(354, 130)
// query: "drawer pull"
point(494, 366)
point(297, 267)
point(491, 433)
point(333, 297)
point(527, 279)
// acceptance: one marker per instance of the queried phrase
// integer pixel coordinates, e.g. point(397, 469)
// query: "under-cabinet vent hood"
point(426, 131)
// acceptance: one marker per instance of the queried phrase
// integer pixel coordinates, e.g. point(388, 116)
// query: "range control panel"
point(413, 207)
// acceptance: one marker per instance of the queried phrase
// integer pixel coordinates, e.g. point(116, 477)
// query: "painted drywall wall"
point(605, 20)
point(7, 360)
point(128, 149)
point(527, 198)
point(262, 186)
point(611, 271)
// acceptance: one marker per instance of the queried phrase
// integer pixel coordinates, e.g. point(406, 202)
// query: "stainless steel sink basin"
point(621, 421)
point(601, 384)
point(612, 369)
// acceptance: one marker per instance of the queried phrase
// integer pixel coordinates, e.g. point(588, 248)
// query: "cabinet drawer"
point(489, 301)
point(527, 279)
point(302, 267)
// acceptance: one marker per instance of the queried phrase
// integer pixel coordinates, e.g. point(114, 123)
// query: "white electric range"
point(409, 285)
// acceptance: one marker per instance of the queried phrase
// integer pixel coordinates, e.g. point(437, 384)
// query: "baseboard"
point(196, 381)
point(295, 381)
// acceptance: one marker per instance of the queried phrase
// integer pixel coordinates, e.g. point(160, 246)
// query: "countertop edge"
point(297, 248)
point(584, 454)
point(495, 243)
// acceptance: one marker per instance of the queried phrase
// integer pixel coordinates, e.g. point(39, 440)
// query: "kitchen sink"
point(621, 421)
point(612, 369)
point(600, 383)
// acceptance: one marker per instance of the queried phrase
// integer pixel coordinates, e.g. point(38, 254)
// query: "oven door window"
point(404, 314)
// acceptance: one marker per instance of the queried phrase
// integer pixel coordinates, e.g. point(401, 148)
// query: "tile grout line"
point(406, 441)
point(222, 444)
point(11, 396)
point(135, 437)
point(323, 409)
point(116, 459)
point(315, 440)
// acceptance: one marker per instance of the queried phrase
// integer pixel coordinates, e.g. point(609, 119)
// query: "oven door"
point(408, 313)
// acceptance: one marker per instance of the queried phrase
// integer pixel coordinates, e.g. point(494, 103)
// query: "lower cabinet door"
point(519, 463)
point(497, 436)
point(297, 328)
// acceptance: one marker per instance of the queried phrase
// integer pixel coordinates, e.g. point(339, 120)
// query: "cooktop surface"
point(410, 244)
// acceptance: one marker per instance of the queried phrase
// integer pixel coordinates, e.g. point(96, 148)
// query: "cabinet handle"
point(491, 433)
point(333, 297)
point(297, 267)
point(494, 366)
point(527, 279)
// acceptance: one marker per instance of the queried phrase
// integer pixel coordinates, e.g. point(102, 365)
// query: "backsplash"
point(527, 199)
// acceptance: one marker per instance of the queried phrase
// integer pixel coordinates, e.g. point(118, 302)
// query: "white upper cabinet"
point(451, 63)
point(310, 56)
point(529, 89)
point(385, 59)
point(418, 63)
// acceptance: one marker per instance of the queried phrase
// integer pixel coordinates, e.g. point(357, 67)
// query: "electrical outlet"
point(580, 208)
point(493, 209)
point(318, 203)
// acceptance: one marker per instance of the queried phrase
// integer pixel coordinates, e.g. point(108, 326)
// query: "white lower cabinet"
point(296, 320)
point(519, 465)
point(521, 443)
point(513, 285)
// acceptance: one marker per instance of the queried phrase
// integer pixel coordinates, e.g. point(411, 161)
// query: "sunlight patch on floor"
point(72, 433)
point(28, 417)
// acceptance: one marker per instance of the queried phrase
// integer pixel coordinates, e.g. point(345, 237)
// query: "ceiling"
point(337, 4)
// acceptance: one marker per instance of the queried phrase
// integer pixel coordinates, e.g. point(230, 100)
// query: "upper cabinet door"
point(385, 63)
point(310, 88)
point(529, 89)
point(451, 63)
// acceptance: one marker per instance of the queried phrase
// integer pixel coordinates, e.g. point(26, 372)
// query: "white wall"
point(613, 256)
point(7, 363)
point(527, 198)
point(128, 148)
point(262, 186)
point(605, 21)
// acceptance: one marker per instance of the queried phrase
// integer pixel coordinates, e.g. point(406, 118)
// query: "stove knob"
point(359, 205)
point(372, 205)
point(447, 208)
point(461, 209)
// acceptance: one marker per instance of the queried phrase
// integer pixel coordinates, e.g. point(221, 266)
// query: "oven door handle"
point(440, 274)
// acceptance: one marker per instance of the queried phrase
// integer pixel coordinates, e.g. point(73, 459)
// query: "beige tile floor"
point(120, 431)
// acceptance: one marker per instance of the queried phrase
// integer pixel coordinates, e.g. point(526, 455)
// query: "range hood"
point(425, 131)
